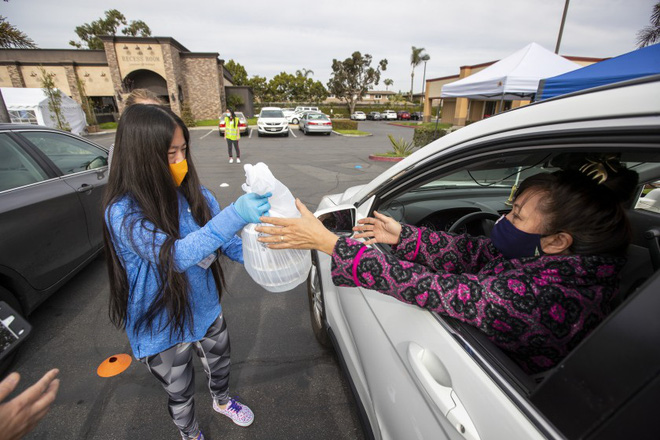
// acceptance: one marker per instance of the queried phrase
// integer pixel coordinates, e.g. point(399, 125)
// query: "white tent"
point(514, 77)
point(30, 105)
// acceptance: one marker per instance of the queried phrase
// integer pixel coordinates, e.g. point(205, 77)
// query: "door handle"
point(85, 187)
point(436, 381)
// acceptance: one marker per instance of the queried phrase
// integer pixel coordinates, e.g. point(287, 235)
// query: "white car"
point(300, 111)
point(388, 114)
point(416, 374)
point(289, 113)
point(359, 116)
point(272, 121)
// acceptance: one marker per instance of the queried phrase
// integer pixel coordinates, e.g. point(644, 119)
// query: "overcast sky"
point(270, 36)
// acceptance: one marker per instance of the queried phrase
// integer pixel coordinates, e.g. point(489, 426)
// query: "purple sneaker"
point(237, 412)
point(199, 436)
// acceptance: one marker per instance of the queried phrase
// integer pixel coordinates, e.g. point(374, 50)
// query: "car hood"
point(272, 120)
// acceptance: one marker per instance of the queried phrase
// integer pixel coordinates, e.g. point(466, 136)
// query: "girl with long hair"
point(163, 233)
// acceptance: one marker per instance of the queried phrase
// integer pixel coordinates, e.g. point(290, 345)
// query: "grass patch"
point(108, 126)
point(252, 121)
point(353, 132)
point(422, 124)
point(207, 123)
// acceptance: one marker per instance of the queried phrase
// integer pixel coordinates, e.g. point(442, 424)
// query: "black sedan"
point(51, 185)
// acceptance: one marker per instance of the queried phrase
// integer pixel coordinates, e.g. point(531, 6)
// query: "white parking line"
point(291, 131)
point(250, 135)
point(212, 130)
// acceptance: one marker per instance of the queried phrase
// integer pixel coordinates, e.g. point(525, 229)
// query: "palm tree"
point(11, 37)
point(388, 82)
point(416, 58)
point(305, 72)
point(650, 34)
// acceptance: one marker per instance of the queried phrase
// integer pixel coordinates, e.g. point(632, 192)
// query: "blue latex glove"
point(251, 206)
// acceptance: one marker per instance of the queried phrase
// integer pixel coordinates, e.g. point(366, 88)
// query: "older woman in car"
point(542, 281)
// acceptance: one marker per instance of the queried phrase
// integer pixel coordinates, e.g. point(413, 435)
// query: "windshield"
point(272, 114)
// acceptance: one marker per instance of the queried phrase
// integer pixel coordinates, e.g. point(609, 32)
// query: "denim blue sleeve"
point(132, 233)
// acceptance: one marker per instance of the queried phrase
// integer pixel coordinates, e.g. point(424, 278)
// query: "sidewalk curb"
point(385, 159)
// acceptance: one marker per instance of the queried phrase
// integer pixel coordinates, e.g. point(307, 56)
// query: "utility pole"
point(561, 28)
point(424, 85)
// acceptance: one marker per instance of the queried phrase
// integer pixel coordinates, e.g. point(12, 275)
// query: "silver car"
point(312, 122)
point(416, 374)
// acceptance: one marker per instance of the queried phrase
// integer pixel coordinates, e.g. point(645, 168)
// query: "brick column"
point(72, 79)
point(115, 75)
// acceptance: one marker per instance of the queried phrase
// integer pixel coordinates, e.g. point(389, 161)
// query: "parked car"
point(242, 123)
point(299, 112)
point(289, 114)
point(313, 122)
point(373, 116)
point(51, 186)
point(403, 115)
point(453, 381)
point(272, 121)
point(359, 116)
point(417, 116)
point(388, 115)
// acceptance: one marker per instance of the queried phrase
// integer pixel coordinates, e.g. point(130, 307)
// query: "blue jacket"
point(139, 255)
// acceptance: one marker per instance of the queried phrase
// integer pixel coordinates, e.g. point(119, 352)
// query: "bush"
point(344, 124)
point(187, 116)
point(424, 135)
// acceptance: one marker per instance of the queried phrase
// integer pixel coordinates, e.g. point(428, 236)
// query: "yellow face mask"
point(179, 171)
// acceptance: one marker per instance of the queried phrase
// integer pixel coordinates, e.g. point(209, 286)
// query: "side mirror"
point(339, 220)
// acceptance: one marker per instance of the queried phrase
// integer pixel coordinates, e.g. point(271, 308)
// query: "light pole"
point(424, 85)
point(561, 28)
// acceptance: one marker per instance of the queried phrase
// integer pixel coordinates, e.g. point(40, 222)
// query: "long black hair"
point(234, 120)
point(591, 210)
point(140, 171)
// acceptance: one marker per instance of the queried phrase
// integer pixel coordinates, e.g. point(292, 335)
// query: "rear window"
point(272, 114)
point(317, 116)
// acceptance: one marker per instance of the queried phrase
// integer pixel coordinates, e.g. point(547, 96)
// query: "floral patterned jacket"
point(536, 309)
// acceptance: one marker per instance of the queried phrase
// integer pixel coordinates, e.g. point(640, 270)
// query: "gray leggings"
point(174, 370)
point(233, 142)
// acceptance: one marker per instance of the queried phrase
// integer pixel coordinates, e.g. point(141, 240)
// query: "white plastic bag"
point(275, 270)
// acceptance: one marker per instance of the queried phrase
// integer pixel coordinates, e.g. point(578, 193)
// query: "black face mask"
point(514, 243)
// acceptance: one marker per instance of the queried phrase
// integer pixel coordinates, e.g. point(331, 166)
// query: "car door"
point(43, 224)
point(81, 165)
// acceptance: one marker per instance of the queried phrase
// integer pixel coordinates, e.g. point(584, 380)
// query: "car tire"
point(259, 134)
point(317, 305)
point(9, 298)
point(294, 121)
point(286, 134)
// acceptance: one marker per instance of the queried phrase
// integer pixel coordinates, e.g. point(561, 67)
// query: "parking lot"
point(295, 388)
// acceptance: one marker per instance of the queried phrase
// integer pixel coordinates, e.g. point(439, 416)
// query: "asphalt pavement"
point(295, 388)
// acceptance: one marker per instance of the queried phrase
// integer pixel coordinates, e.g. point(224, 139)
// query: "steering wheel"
point(473, 216)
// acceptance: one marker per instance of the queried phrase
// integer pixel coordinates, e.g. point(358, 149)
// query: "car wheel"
point(9, 298)
point(286, 134)
point(220, 133)
point(317, 305)
point(294, 121)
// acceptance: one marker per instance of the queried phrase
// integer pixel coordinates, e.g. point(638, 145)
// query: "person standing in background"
point(232, 134)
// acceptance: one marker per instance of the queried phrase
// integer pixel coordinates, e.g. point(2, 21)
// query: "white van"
point(298, 112)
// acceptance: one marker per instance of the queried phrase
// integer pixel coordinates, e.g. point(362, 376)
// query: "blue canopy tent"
point(635, 64)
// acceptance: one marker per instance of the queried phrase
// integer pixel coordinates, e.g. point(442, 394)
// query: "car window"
point(16, 167)
point(319, 116)
point(649, 199)
point(272, 114)
point(69, 154)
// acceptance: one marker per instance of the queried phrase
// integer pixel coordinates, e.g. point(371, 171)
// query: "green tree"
point(259, 86)
point(54, 99)
point(282, 87)
point(317, 91)
point(352, 77)
point(416, 58)
point(89, 33)
point(238, 72)
point(12, 38)
point(650, 34)
point(234, 102)
point(305, 72)
point(388, 82)
point(86, 103)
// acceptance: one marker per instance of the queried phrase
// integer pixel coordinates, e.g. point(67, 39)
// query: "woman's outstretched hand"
point(382, 229)
point(306, 232)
